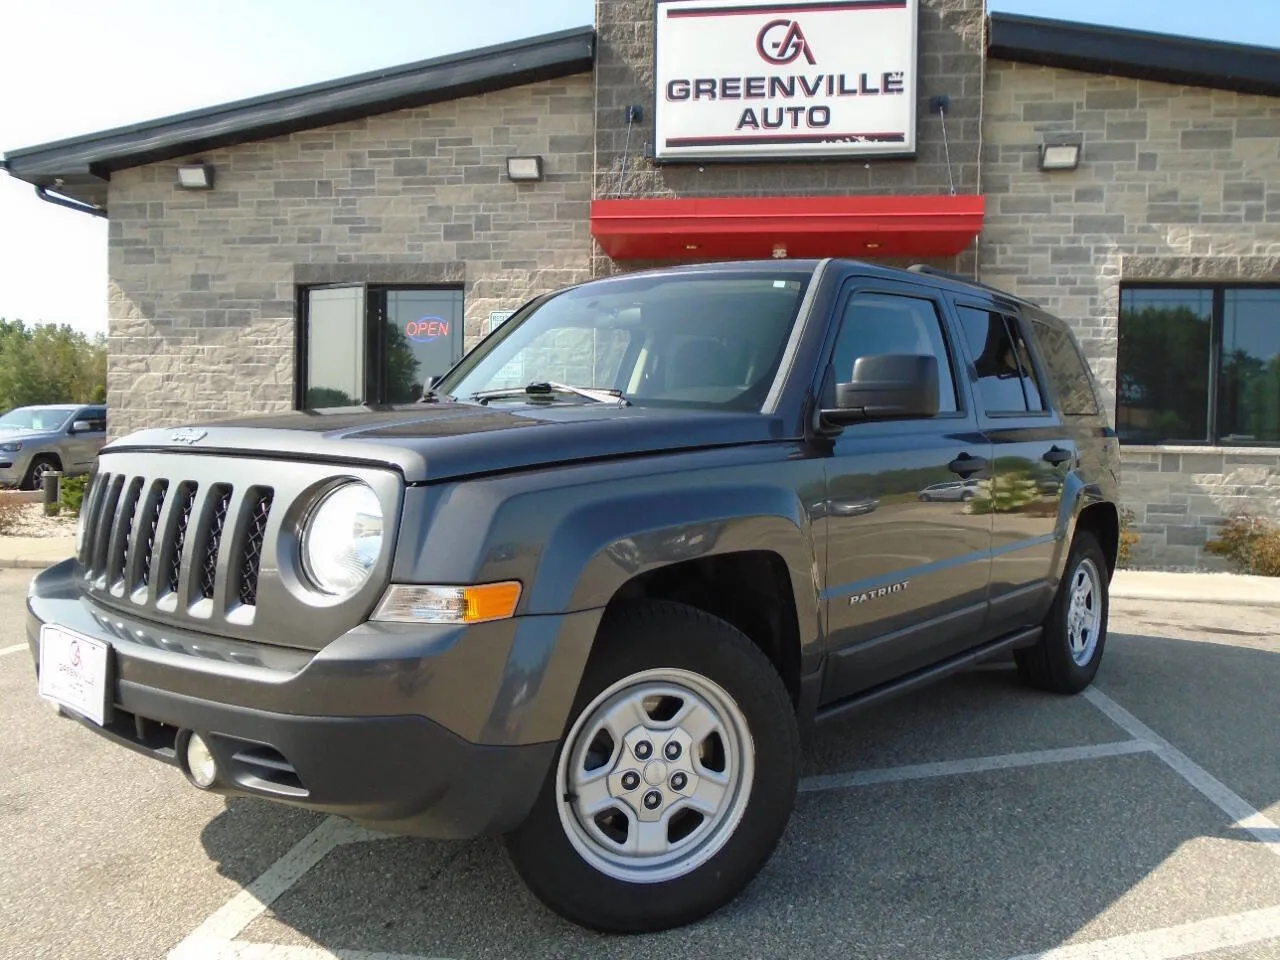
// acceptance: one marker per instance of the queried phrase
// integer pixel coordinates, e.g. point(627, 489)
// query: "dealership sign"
point(752, 79)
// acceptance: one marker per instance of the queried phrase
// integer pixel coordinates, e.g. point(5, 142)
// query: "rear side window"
point(1006, 377)
point(875, 324)
point(1067, 368)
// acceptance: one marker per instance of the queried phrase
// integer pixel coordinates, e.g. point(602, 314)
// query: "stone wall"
point(1178, 183)
point(951, 56)
point(203, 284)
point(1175, 184)
point(1181, 495)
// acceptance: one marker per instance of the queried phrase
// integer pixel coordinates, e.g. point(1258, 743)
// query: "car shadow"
point(987, 865)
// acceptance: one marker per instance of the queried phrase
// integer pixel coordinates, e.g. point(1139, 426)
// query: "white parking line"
point(951, 768)
point(278, 951)
point(14, 649)
point(247, 905)
point(1227, 800)
point(1171, 943)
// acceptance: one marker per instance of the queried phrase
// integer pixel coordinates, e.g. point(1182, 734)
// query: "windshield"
point(35, 418)
point(711, 340)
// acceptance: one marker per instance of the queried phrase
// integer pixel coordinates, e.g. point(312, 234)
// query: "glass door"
point(334, 334)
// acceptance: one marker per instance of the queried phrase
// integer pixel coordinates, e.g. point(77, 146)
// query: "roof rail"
point(960, 278)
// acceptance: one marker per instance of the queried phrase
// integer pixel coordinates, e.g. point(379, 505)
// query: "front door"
point(1032, 455)
point(907, 555)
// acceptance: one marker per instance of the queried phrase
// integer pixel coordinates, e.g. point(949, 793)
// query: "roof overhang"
point(79, 168)
point(690, 228)
point(1136, 54)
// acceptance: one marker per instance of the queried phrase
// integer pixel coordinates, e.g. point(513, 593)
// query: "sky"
point(80, 66)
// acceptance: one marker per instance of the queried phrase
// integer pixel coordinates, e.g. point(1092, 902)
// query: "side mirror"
point(888, 387)
point(82, 426)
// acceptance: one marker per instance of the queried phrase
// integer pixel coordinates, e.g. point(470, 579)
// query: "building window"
point(360, 343)
point(1199, 365)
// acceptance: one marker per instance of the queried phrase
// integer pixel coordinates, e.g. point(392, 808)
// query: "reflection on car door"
point(1032, 454)
point(906, 576)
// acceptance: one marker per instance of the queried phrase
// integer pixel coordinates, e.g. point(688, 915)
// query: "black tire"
point(653, 636)
point(39, 466)
point(1050, 664)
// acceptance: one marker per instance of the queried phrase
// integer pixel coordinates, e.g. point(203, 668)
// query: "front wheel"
point(1069, 651)
point(35, 473)
point(675, 780)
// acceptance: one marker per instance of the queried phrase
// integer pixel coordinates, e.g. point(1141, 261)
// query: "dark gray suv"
point(594, 591)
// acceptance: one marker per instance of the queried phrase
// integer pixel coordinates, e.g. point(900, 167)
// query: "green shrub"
point(71, 494)
point(1250, 544)
point(1128, 537)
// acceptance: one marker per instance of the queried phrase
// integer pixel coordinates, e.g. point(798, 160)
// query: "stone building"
point(348, 239)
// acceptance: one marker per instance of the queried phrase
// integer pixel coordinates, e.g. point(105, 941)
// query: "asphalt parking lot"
point(973, 820)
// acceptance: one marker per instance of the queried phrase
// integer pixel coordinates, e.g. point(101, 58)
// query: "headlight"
point(12, 447)
point(342, 539)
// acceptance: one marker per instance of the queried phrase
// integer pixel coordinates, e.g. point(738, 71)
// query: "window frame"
point(1010, 315)
point(826, 377)
point(374, 334)
point(1217, 325)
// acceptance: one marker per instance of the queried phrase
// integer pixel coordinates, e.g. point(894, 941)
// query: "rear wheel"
point(1067, 656)
point(41, 465)
point(675, 780)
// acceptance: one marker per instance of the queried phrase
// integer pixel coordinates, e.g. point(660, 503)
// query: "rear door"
point(1032, 453)
point(906, 574)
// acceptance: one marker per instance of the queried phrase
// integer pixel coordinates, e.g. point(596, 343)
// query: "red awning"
point(696, 228)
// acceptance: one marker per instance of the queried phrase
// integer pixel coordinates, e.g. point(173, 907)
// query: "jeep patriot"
point(594, 589)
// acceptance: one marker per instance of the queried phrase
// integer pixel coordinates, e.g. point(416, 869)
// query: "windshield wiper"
point(543, 388)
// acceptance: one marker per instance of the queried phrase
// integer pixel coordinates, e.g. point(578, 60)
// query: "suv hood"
point(428, 442)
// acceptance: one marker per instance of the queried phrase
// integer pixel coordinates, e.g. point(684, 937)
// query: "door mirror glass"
point(82, 426)
point(887, 387)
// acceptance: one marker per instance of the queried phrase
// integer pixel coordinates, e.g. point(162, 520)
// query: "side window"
point(1006, 378)
point(882, 323)
point(1073, 382)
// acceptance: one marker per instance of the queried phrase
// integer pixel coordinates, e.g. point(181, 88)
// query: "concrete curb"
point(1218, 588)
point(22, 563)
point(1178, 597)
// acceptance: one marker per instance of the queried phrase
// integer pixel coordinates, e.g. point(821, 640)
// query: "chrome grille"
point(186, 500)
point(255, 536)
point(177, 546)
point(158, 492)
point(218, 520)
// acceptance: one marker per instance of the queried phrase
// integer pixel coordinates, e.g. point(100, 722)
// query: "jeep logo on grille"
point(186, 435)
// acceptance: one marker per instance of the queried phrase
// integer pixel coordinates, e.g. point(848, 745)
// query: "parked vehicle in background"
point(37, 439)
point(950, 490)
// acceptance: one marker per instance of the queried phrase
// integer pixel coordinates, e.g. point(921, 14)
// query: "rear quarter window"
point(1073, 383)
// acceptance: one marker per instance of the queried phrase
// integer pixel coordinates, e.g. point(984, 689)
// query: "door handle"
point(966, 465)
point(1056, 455)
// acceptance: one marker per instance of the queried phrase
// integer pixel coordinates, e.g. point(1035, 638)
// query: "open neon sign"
point(426, 329)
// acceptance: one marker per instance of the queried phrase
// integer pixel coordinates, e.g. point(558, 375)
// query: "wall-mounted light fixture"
point(524, 168)
point(196, 176)
point(1059, 155)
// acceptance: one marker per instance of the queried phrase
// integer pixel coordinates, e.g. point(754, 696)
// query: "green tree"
point(45, 363)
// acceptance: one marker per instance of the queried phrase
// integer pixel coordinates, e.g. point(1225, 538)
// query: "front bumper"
point(430, 731)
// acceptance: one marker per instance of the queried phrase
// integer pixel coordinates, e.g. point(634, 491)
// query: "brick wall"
point(202, 285)
point(1175, 183)
point(951, 48)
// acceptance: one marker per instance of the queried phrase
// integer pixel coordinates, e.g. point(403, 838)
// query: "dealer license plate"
point(73, 671)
